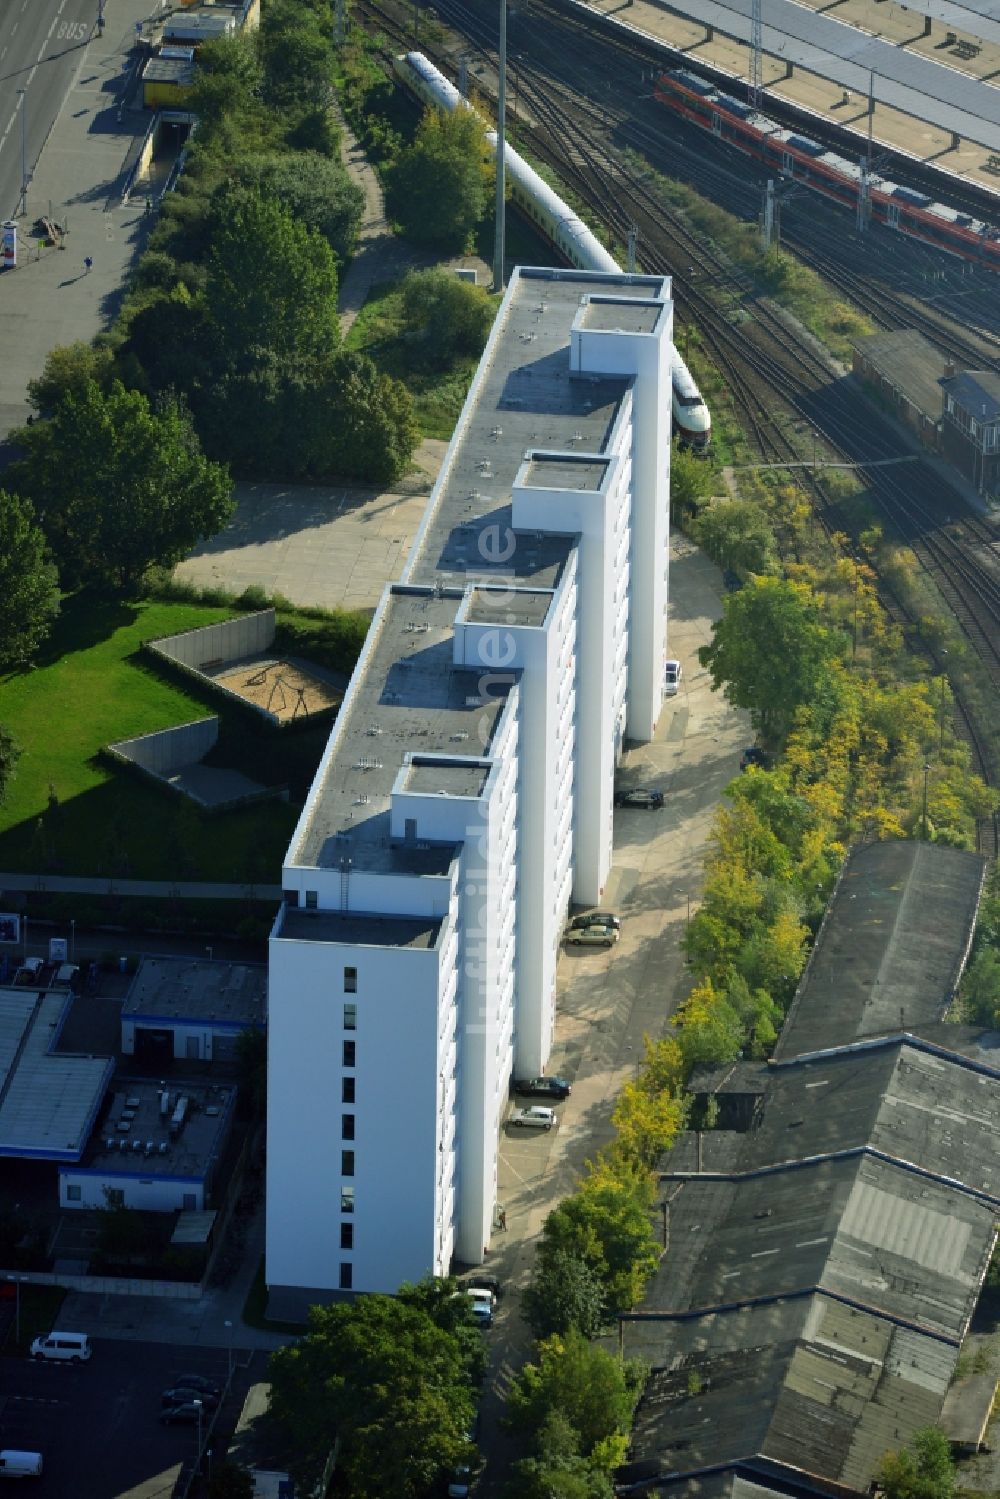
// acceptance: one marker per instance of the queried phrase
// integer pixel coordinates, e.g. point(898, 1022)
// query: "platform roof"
point(891, 948)
point(927, 90)
point(911, 364)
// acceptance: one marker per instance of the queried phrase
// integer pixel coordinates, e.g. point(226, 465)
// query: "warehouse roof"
point(891, 948)
point(911, 364)
point(48, 1099)
point(170, 990)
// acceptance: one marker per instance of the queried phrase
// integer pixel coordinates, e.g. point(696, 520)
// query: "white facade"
point(465, 797)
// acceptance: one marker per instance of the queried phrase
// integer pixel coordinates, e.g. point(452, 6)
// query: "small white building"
point(192, 1008)
point(465, 795)
point(154, 1148)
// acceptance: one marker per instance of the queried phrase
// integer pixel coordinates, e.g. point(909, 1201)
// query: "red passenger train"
point(792, 155)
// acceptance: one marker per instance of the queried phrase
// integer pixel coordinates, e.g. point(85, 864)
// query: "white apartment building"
point(465, 796)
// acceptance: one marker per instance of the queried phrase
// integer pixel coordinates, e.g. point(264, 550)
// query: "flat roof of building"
point(892, 946)
point(172, 990)
point(525, 397)
point(407, 695)
point(445, 777)
point(299, 925)
point(976, 391)
point(48, 1099)
point(911, 364)
point(149, 1130)
point(563, 471)
point(616, 315)
point(177, 70)
point(509, 606)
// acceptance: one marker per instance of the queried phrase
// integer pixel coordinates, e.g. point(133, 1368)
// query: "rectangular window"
point(349, 1054)
point(347, 1163)
point(347, 1236)
point(347, 1199)
point(311, 900)
point(347, 1090)
point(73, 1194)
point(347, 1126)
point(350, 981)
point(116, 1197)
point(350, 1017)
point(346, 1275)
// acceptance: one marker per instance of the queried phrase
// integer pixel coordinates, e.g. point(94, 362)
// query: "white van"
point(74, 1346)
point(20, 1464)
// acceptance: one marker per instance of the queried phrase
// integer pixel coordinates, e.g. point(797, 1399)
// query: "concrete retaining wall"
point(231, 640)
point(167, 750)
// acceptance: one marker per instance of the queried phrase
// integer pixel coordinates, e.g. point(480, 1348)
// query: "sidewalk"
point(51, 299)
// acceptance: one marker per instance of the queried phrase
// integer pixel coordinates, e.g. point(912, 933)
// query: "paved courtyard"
point(329, 545)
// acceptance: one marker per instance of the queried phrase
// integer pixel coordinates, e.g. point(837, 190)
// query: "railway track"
point(764, 357)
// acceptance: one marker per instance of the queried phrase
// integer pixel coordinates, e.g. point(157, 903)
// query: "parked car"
point(672, 674)
point(181, 1394)
point(639, 796)
point(187, 1414)
point(465, 1477)
point(481, 1302)
point(491, 1283)
point(533, 1118)
point(597, 918)
point(544, 1087)
point(593, 936)
point(754, 755)
point(198, 1383)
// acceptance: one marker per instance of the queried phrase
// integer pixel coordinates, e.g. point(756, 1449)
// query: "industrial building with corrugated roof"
point(823, 1263)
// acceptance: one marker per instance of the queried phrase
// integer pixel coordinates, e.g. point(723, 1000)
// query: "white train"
point(557, 223)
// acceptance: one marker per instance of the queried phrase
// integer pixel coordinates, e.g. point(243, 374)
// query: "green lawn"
point(92, 686)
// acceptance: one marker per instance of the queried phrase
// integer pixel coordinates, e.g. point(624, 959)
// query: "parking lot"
point(97, 1425)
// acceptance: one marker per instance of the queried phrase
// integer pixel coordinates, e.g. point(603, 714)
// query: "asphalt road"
point(41, 42)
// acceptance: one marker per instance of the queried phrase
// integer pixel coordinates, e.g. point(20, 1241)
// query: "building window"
point(350, 1017)
point(73, 1194)
point(347, 1126)
point(349, 1054)
point(116, 1197)
point(346, 1275)
point(312, 900)
point(347, 1090)
point(347, 1236)
point(350, 981)
point(347, 1199)
point(347, 1163)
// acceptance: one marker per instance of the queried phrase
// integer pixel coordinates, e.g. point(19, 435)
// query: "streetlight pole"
point(498, 245)
point(23, 96)
point(229, 1332)
point(197, 1406)
point(926, 773)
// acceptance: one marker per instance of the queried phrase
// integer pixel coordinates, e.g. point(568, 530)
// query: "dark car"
point(754, 755)
point(198, 1383)
point(639, 796)
point(187, 1414)
point(544, 1087)
point(183, 1394)
point(596, 918)
point(493, 1284)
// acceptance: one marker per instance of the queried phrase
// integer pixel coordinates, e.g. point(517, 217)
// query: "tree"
point(591, 1389)
point(9, 755)
point(119, 486)
point(389, 1378)
point(29, 584)
point(607, 1223)
point(450, 316)
point(738, 536)
point(121, 1234)
point(560, 1471)
point(564, 1293)
point(437, 189)
point(67, 370)
point(230, 1482)
point(770, 651)
point(924, 1470)
point(272, 283)
point(981, 987)
point(297, 58)
point(316, 191)
point(692, 480)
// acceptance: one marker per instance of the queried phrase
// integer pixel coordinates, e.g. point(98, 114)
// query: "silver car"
point(535, 1117)
point(593, 936)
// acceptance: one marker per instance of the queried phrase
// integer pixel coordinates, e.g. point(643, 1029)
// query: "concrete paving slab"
point(329, 545)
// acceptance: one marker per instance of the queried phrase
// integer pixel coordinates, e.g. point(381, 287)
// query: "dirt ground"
point(284, 688)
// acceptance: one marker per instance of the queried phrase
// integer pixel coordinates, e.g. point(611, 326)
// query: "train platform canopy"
point(910, 365)
point(892, 946)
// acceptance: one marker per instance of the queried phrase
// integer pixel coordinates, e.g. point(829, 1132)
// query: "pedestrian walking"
point(88, 264)
point(502, 1220)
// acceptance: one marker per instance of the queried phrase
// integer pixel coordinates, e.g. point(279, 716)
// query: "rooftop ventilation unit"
point(178, 1116)
point(164, 1104)
point(163, 1147)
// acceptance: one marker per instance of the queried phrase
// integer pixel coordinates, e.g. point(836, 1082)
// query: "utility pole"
point(633, 240)
point(756, 55)
point(498, 246)
point(463, 76)
point(22, 93)
point(339, 24)
point(769, 227)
